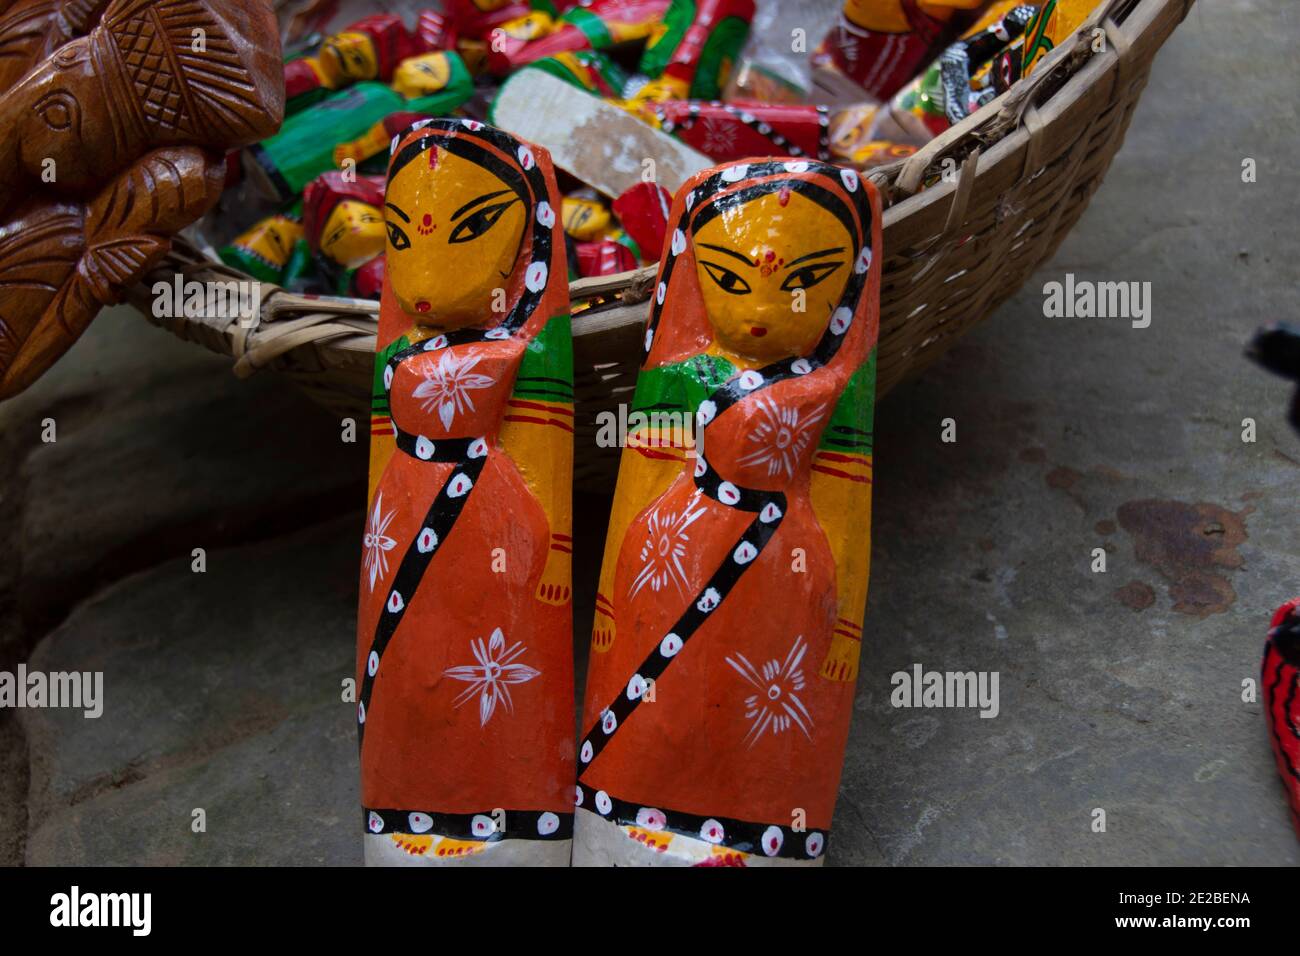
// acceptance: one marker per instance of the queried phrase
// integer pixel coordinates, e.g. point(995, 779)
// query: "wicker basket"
point(1027, 163)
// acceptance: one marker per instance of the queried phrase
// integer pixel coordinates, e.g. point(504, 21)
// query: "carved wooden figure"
point(464, 635)
point(734, 583)
point(30, 30)
point(109, 146)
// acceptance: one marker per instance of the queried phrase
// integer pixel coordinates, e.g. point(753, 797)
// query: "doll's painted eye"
point(396, 237)
point(726, 280)
point(479, 222)
point(805, 277)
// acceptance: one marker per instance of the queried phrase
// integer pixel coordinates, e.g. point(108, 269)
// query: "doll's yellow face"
point(272, 239)
point(584, 219)
point(771, 273)
point(422, 75)
point(347, 57)
point(531, 26)
point(353, 233)
point(454, 234)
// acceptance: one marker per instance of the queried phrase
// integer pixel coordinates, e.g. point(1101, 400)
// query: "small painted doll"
point(588, 70)
point(305, 145)
point(969, 73)
point(592, 25)
point(344, 224)
point(369, 49)
point(691, 53)
point(729, 613)
point(377, 139)
point(464, 634)
point(881, 44)
point(270, 250)
point(1054, 22)
point(642, 211)
point(1281, 681)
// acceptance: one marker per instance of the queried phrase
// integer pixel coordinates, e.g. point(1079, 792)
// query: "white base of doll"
point(386, 849)
point(601, 842)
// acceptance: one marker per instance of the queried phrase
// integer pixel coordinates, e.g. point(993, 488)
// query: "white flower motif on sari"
point(781, 436)
point(377, 543)
point(664, 547)
point(491, 676)
point(447, 385)
point(776, 706)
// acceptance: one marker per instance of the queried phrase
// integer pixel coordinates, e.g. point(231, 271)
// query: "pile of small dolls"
point(887, 76)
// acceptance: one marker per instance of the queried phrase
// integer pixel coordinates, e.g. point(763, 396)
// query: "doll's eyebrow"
point(474, 202)
point(814, 255)
point(405, 217)
point(729, 252)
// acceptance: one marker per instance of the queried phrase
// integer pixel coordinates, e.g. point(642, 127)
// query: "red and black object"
point(368, 280)
point(1281, 681)
point(392, 43)
point(729, 131)
point(595, 25)
point(603, 257)
point(883, 63)
point(466, 21)
point(642, 210)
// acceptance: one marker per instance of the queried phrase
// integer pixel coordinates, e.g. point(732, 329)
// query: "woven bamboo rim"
point(1027, 165)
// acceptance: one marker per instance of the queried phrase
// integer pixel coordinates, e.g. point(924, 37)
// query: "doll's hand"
point(555, 587)
point(841, 663)
point(602, 630)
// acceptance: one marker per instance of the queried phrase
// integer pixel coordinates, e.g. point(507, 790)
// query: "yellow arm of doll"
point(841, 499)
point(370, 143)
point(653, 456)
point(537, 434)
point(538, 437)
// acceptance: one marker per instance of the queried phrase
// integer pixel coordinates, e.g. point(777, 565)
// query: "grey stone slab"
point(222, 690)
point(159, 450)
point(1074, 434)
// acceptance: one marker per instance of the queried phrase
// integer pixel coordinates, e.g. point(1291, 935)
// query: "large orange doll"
point(464, 641)
point(727, 630)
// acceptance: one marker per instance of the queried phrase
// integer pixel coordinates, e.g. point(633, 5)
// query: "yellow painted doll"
point(732, 593)
point(464, 633)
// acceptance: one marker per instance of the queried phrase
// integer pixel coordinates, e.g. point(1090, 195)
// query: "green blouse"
point(680, 387)
point(545, 374)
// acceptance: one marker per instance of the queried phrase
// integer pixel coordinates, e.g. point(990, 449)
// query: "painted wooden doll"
point(305, 145)
point(343, 218)
point(727, 629)
point(271, 250)
point(464, 640)
point(369, 49)
point(881, 44)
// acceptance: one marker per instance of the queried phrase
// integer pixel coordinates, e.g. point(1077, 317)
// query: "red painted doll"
point(731, 598)
point(464, 636)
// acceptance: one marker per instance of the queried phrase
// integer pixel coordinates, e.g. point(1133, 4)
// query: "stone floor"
point(1119, 690)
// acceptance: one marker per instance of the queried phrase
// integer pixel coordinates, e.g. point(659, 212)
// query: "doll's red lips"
point(422, 306)
point(758, 331)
